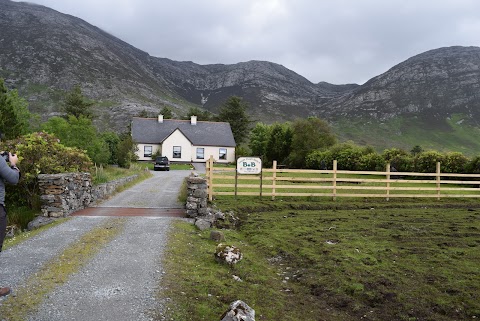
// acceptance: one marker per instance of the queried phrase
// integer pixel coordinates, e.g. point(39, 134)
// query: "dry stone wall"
point(197, 196)
point(63, 194)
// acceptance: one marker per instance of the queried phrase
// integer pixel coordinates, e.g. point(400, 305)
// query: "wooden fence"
point(335, 183)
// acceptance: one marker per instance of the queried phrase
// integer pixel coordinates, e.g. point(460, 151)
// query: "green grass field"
point(347, 260)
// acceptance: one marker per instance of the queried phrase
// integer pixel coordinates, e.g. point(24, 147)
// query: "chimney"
point(160, 119)
point(193, 120)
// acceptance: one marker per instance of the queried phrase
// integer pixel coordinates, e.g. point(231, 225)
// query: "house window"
point(147, 151)
point(222, 153)
point(177, 151)
point(200, 153)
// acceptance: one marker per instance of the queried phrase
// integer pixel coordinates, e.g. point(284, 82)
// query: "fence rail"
point(335, 183)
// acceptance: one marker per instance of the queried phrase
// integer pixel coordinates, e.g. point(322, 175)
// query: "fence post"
point(261, 183)
point(334, 183)
point(388, 181)
point(438, 181)
point(210, 178)
point(274, 178)
point(236, 183)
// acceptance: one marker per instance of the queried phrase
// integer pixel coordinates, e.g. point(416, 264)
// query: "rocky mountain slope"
point(436, 83)
point(44, 53)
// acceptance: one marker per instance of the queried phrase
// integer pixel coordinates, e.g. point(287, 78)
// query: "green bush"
point(319, 160)
point(473, 165)
point(403, 163)
point(454, 162)
point(80, 133)
point(353, 157)
point(399, 159)
point(392, 153)
point(241, 151)
point(426, 162)
point(371, 162)
point(308, 135)
point(126, 150)
point(111, 140)
point(40, 153)
point(348, 158)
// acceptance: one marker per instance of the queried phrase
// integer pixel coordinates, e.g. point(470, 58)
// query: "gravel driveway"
point(119, 283)
point(160, 191)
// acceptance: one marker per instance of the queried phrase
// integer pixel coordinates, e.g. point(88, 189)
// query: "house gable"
point(176, 133)
point(177, 147)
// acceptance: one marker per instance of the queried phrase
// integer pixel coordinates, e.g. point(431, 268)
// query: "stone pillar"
point(197, 196)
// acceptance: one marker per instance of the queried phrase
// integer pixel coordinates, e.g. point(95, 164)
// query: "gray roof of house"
point(204, 133)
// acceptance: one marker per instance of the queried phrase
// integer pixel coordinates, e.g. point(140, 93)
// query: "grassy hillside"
point(452, 134)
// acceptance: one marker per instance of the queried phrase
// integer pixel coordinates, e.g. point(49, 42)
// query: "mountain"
point(431, 99)
point(438, 82)
point(45, 53)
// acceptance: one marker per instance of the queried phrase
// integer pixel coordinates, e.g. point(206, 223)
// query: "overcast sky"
point(338, 41)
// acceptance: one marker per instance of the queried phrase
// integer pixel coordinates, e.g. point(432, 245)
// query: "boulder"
point(191, 213)
point(219, 215)
point(39, 221)
point(217, 236)
point(228, 254)
point(239, 311)
point(202, 224)
point(12, 230)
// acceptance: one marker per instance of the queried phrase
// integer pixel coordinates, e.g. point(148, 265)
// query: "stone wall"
point(63, 194)
point(197, 196)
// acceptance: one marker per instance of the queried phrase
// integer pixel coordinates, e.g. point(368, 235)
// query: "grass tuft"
point(20, 216)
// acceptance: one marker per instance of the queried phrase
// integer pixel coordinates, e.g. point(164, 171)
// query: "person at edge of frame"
point(10, 174)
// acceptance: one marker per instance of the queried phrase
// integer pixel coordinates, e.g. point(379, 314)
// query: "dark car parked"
point(161, 163)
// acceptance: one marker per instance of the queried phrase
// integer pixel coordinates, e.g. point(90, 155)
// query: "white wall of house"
point(179, 141)
point(145, 148)
point(215, 152)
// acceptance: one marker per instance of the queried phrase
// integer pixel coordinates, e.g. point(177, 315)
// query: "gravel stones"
point(119, 283)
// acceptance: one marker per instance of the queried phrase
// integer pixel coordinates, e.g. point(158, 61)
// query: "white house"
point(183, 140)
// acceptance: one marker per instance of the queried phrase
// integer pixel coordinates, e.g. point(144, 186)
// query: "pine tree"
point(75, 104)
point(234, 111)
point(14, 114)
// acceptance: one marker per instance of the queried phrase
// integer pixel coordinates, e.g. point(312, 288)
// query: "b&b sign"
point(249, 165)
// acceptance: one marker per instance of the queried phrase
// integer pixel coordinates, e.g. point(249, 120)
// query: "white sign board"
point(249, 165)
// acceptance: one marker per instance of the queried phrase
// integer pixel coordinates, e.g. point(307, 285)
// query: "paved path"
point(200, 168)
point(119, 283)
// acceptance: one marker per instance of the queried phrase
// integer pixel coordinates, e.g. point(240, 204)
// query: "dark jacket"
point(6, 175)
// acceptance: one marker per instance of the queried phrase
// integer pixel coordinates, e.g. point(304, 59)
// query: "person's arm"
point(8, 174)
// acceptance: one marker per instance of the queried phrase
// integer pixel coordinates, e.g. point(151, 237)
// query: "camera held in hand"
point(5, 156)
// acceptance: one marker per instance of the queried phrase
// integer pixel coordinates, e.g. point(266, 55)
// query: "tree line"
point(73, 143)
